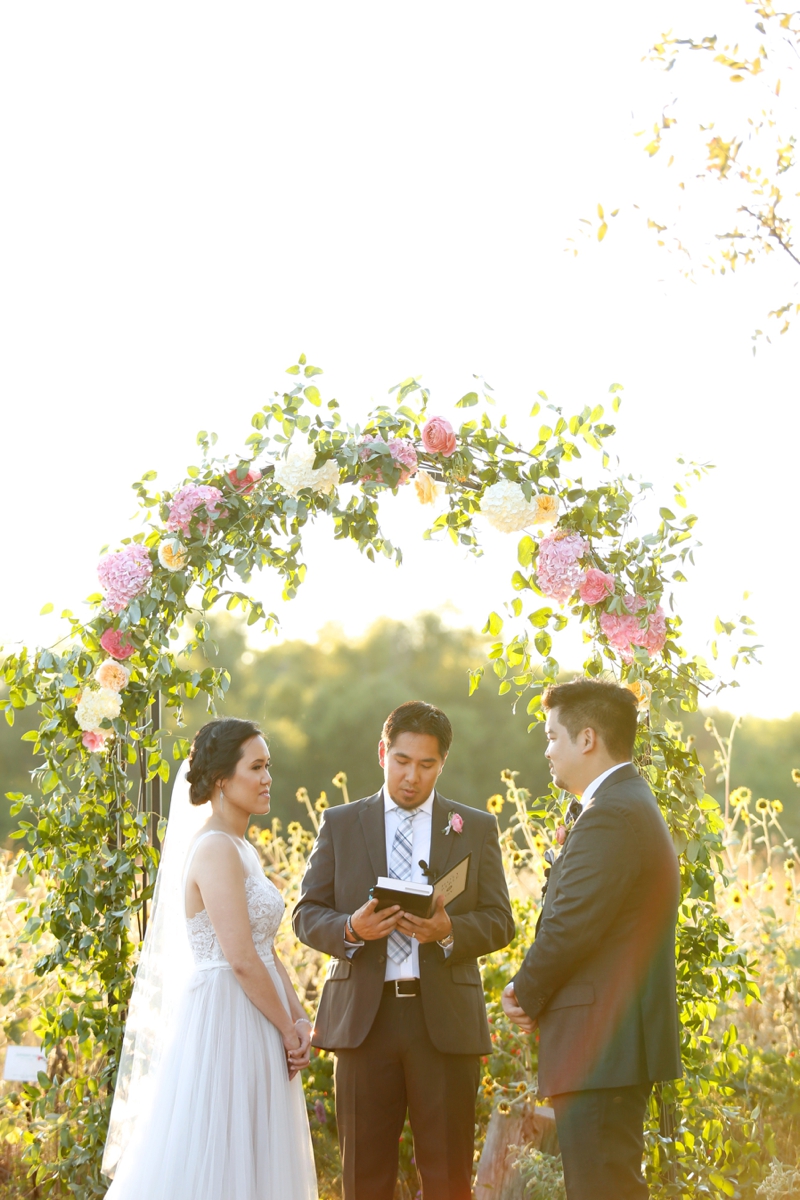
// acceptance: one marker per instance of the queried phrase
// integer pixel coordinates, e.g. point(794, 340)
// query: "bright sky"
point(195, 194)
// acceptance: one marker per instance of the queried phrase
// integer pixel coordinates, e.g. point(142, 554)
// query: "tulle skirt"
point(224, 1122)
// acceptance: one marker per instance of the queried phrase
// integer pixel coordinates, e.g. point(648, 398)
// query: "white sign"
point(23, 1064)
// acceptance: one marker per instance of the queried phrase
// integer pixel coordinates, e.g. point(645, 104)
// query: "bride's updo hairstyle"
point(216, 750)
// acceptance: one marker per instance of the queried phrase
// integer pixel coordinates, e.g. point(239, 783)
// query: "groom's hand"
point(513, 1011)
point(427, 929)
point(370, 925)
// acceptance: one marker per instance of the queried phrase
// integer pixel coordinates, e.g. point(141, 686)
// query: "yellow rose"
point(643, 692)
point(427, 489)
point(546, 510)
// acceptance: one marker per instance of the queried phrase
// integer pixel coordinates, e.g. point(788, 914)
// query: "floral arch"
point(93, 836)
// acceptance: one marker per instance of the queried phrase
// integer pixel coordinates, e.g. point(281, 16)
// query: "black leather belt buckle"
point(404, 988)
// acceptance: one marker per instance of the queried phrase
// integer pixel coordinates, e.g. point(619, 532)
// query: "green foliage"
point(86, 835)
point(739, 140)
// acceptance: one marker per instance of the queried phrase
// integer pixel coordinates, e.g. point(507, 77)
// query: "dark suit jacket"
point(600, 975)
point(348, 856)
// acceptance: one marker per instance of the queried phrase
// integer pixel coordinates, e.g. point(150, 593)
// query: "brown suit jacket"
point(348, 856)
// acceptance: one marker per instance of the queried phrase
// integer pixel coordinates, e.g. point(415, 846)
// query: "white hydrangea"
point(95, 705)
point(297, 472)
point(505, 507)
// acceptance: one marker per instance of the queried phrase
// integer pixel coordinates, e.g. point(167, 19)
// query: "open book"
point(419, 898)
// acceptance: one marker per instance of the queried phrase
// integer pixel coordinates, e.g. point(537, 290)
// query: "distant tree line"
point(322, 706)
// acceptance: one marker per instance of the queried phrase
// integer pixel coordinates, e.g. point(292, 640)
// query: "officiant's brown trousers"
point(397, 1067)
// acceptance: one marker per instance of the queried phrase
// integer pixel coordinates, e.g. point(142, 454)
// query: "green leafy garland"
point(99, 747)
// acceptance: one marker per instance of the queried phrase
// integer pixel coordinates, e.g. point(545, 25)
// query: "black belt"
point(401, 987)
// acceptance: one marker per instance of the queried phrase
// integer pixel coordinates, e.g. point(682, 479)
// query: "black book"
point(419, 898)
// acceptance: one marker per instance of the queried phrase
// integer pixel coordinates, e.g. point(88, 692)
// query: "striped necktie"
point(399, 945)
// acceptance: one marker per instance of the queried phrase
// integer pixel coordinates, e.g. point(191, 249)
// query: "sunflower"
point(504, 1108)
point(294, 828)
point(495, 804)
point(741, 795)
point(322, 802)
point(762, 805)
point(796, 776)
point(789, 864)
point(777, 807)
point(736, 899)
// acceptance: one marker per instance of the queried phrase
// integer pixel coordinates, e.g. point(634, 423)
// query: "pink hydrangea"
point(116, 644)
point(246, 484)
point(438, 437)
point(559, 573)
point(655, 635)
point(401, 450)
point(94, 740)
point(626, 631)
point(185, 503)
point(596, 586)
point(124, 575)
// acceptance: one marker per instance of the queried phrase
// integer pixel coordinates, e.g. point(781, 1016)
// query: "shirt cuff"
point(350, 948)
point(448, 950)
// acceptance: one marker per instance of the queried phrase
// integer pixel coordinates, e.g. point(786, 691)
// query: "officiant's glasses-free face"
point(249, 786)
point(411, 766)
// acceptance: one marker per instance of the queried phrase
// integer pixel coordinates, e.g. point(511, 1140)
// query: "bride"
point(209, 1103)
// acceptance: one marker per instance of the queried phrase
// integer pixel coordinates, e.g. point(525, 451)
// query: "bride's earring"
point(221, 802)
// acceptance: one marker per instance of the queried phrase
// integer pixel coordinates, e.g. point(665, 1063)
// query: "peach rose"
point(438, 437)
point(112, 675)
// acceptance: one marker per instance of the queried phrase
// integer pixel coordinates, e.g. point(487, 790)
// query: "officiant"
point(403, 1006)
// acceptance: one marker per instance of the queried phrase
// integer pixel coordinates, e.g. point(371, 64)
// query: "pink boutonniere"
point(455, 822)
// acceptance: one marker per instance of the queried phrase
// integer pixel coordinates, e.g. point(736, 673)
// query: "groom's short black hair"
point(415, 716)
point(611, 711)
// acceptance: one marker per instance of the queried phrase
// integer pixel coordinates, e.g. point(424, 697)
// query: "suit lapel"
point(443, 844)
point(374, 829)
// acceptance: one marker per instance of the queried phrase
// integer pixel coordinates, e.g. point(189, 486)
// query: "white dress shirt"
point(420, 848)
point(595, 784)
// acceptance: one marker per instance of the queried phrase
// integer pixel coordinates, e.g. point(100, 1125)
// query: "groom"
point(402, 1005)
point(599, 979)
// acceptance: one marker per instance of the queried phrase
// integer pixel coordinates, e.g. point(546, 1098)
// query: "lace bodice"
point(265, 908)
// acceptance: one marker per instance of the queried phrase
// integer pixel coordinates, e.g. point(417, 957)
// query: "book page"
point(453, 883)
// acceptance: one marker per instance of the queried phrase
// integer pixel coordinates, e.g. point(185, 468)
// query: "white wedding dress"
point(222, 1121)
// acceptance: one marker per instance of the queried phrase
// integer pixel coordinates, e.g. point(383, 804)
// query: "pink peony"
point(559, 574)
point(456, 822)
point(125, 575)
point(185, 503)
point(93, 740)
point(596, 586)
point(246, 484)
point(625, 632)
point(438, 437)
point(401, 450)
point(116, 644)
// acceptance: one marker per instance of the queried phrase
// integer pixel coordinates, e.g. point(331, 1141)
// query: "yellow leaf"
point(602, 231)
point(737, 78)
point(778, 88)
point(653, 147)
point(600, 211)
